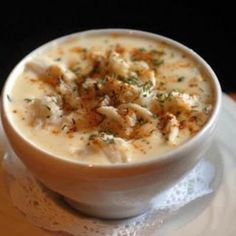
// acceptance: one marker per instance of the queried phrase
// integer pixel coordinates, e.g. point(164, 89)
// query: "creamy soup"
point(110, 99)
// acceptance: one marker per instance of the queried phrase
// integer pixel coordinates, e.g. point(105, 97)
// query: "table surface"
point(12, 222)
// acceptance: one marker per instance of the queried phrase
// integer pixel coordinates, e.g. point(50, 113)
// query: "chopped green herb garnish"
point(114, 76)
point(58, 59)
point(131, 80)
point(142, 49)
point(76, 70)
point(133, 58)
point(102, 81)
point(107, 138)
point(141, 122)
point(63, 127)
point(207, 109)
point(73, 121)
point(48, 107)
point(145, 141)
point(161, 97)
point(9, 98)
point(154, 51)
point(157, 62)
point(147, 86)
point(28, 100)
point(181, 78)
point(92, 136)
point(178, 90)
point(194, 110)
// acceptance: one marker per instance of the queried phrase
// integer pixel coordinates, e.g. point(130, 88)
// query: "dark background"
point(209, 30)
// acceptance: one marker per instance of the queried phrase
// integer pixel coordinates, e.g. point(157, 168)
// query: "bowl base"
point(111, 213)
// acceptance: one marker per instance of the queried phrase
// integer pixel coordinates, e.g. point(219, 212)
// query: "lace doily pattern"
point(49, 211)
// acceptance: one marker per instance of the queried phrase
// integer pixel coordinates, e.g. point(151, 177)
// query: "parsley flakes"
point(157, 62)
point(132, 80)
point(180, 79)
point(105, 137)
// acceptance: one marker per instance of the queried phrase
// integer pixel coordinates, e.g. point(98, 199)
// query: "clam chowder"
point(110, 99)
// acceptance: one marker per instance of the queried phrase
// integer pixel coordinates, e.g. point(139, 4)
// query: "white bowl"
point(120, 190)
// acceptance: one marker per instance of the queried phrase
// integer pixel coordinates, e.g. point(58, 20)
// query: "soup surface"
point(110, 99)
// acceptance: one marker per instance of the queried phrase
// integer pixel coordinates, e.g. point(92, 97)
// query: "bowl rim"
point(166, 156)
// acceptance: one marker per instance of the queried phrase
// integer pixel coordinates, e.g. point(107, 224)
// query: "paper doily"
point(49, 211)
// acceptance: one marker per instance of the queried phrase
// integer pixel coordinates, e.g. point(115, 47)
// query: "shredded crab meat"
point(150, 76)
point(115, 151)
point(175, 102)
point(185, 100)
point(139, 66)
point(46, 67)
point(120, 91)
point(117, 94)
point(45, 110)
point(171, 128)
point(118, 64)
point(142, 112)
point(115, 154)
point(111, 113)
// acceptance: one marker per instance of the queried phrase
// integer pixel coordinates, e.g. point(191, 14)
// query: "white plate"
point(215, 214)
point(218, 218)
